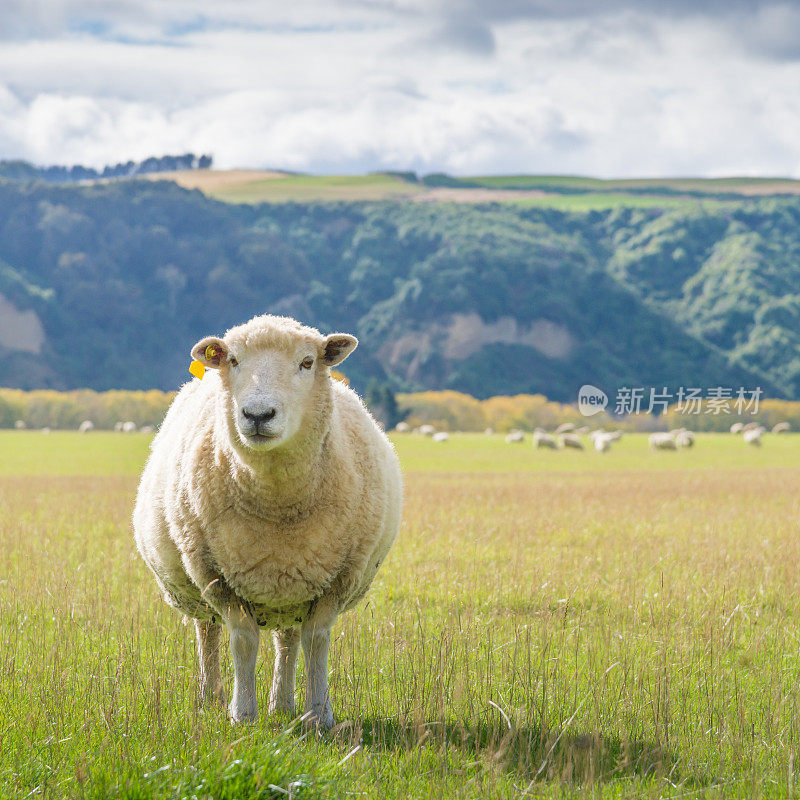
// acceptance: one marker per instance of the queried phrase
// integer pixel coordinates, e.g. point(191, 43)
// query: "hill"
point(549, 191)
point(108, 285)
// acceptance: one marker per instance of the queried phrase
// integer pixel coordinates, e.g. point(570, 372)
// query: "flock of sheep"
point(87, 426)
point(568, 436)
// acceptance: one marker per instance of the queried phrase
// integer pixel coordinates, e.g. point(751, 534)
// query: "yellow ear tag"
point(198, 369)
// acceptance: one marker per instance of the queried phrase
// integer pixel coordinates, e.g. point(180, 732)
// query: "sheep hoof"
point(247, 713)
point(212, 697)
point(319, 722)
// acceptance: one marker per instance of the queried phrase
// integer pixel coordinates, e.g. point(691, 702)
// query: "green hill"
point(108, 285)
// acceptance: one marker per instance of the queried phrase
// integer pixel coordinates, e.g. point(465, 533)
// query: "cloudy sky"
point(636, 88)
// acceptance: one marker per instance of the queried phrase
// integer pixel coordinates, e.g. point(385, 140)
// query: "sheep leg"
point(316, 639)
point(244, 648)
point(281, 696)
point(208, 642)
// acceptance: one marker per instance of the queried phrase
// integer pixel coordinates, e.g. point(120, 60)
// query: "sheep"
point(662, 441)
point(86, 426)
point(442, 436)
point(129, 427)
point(118, 427)
point(570, 440)
point(567, 427)
point(751, 426)
point(402, 427)
point(20, 425)
point(271, 497)
point(684, 438)
point(753, 436)
point(602, 442)
point(737, 427)
point(147, 429)
point(782, 427)
point(427, 430)
point(515, 437)
point(542, 439)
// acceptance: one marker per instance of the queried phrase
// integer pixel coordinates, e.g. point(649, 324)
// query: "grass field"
point(549, 624)
point(562, 192)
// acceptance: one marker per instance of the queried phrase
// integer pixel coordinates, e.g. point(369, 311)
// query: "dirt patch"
point(210, 180)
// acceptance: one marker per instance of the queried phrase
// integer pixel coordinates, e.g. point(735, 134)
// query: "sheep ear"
point(210, 352)
point(337, 347)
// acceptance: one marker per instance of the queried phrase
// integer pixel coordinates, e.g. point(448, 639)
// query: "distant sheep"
point(146, 429)
point(602, 442)
point(544, 440)
point(737, 427)
point(402, 427)
point(427, 430)
point(566, 427)
point(684, 439)
point(20, 425)
point(782, 427)
point(441, 436)
point(515, 437)
point(271, 497)
point(753, 436)
point(129, 427)
point(86, 426)
point(570, 441)
point(662, 441)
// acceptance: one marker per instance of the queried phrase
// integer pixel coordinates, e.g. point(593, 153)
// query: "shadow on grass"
point(533, 753)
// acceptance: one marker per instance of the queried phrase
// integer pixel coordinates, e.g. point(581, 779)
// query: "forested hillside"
point(108, 286)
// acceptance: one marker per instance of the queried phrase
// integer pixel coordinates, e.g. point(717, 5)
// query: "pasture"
point(549, 624)
point(559, 192)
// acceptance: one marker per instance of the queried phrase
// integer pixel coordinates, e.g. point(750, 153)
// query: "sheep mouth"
point(261, 438)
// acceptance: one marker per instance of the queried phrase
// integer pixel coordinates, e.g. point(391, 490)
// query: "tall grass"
point(548, 624)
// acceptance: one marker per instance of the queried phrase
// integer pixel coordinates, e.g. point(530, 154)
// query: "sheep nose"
point(259, 417)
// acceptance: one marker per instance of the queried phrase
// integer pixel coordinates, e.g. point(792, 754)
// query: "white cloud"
point(364, 86)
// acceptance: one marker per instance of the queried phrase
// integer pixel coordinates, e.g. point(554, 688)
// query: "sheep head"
point(274, 375)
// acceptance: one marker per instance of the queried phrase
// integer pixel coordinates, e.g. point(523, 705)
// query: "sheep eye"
point(233, 362)
point(307, 362)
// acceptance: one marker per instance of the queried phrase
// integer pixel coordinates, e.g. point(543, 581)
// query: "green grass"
point(303, 188)
point(549, 624)
point(734, 185)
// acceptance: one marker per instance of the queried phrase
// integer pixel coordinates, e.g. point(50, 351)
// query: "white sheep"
point(442, 436)
point(402, 427)
point(684, 439)
point(20, 425)
point(515, 437)
point(737, 427)
point(602, 442)
point(544, 440)
point(752, 436)
point(570, 441)
point(566, 427)
point(427, 430)
point(662, 441)
point(86, 426)
point(270, 498)
point(782, 427)
point(129, 427)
